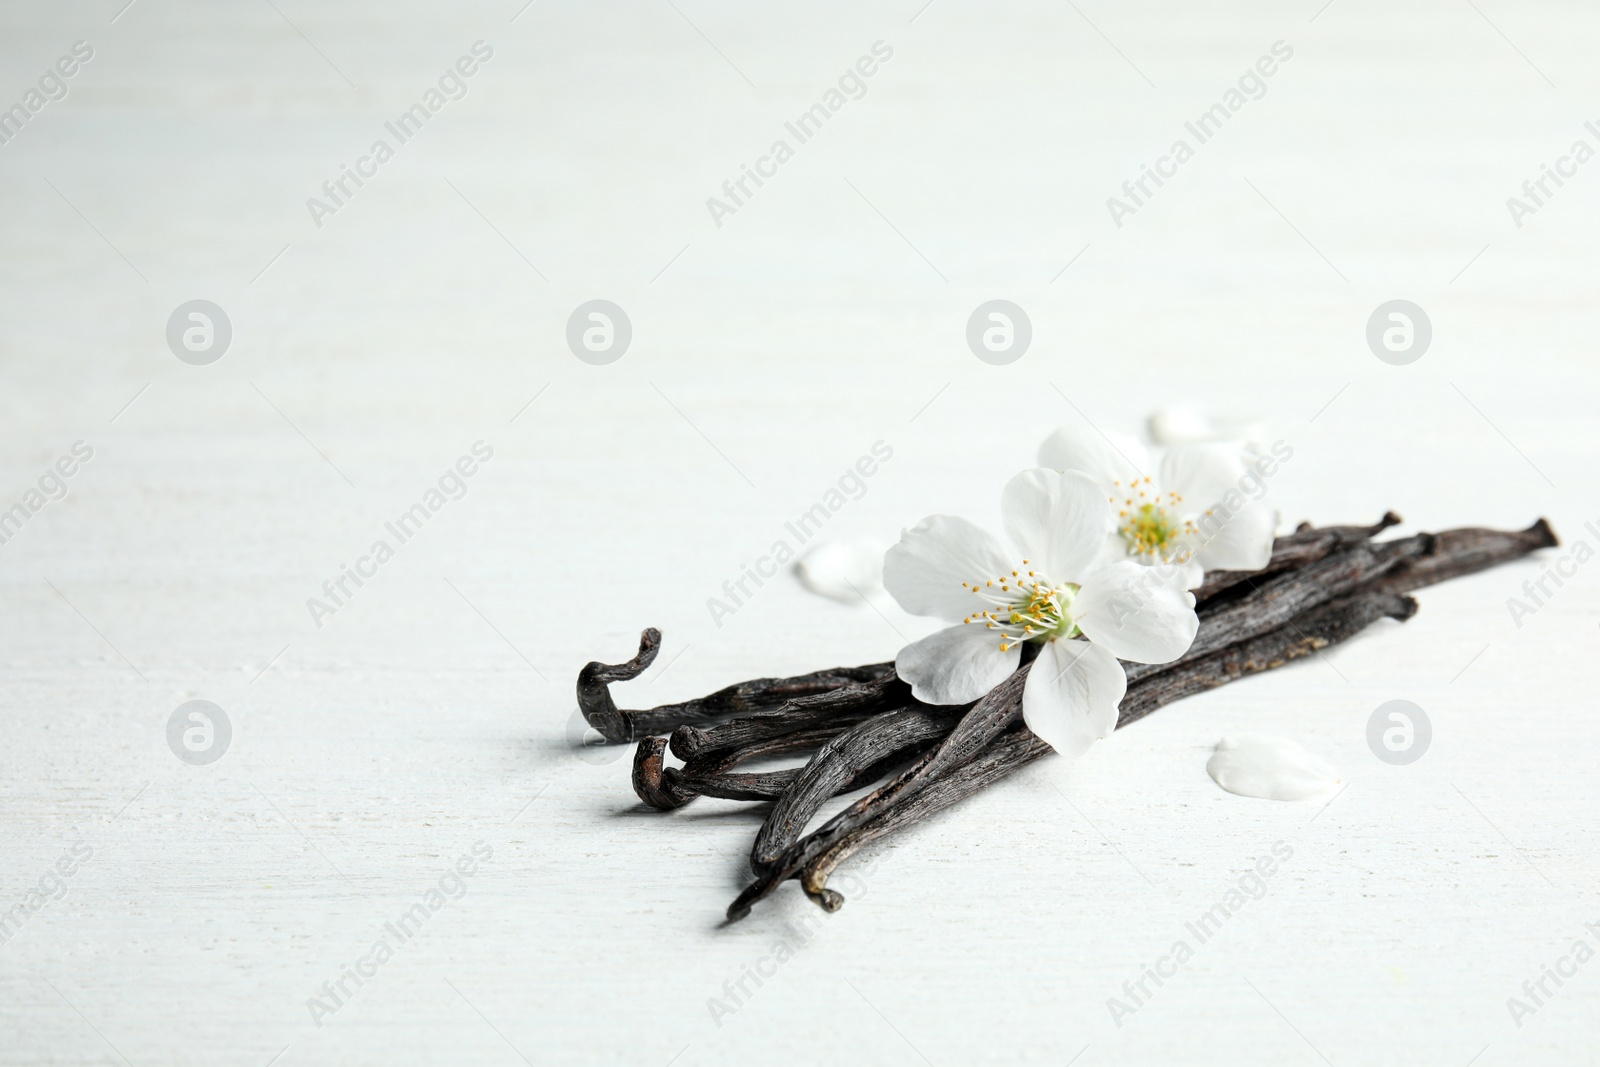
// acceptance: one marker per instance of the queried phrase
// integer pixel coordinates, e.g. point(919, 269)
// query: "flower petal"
point(925, 569)
point(846, 570)
point(1138, 612)
point(1193, 571)
point(1240, 542)
point(1105, 459)
point(1059, 521)
point(1182, 424)
point(1202, 474)
point(956, 665)
point(1072, 694)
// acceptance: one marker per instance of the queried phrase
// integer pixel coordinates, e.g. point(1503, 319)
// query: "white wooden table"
point(431, 710)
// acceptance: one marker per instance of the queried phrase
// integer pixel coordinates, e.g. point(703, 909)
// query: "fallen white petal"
point(1271, 768)
point(1182, 424)
point(843, 570)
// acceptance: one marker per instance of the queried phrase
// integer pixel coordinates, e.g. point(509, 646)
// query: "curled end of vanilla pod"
point(653, 784)
point(808, 693)
point(829, 900)
point(594, 689)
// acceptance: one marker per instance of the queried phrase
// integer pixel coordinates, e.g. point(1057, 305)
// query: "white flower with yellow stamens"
point(1179, 520)
point(1056, 590)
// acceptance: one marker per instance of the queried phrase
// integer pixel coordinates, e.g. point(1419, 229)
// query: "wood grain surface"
point(402, 768)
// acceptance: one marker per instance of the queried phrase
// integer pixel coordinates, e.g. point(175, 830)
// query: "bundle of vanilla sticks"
point(862, 727)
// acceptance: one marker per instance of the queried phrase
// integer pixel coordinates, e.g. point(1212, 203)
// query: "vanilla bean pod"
point(1269, 603)
point(845, 706)
point(714, 776)
point(1306, 545)
point(710, 754)
point(976, 728)
point(672, 787)
point(800, 724)
point(649, 783)
point(1466, 551)
point(1317, 629)
point(1014, 749)
point(838, 763)
point(800, 854)
point(770, 785)
point(1305, 634)
point(759, 694)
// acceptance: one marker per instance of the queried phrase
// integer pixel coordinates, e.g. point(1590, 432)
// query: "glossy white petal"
point(1193, 572)
point(1202, 474)
point(1137, 612)
point(847, 570)
point(1072, 694)
point(956, 665)
point(1183, 424)
point(1240, 542)
point(1072, 448)
point(1271, 768)
point(1058, 521)
point(924, 571)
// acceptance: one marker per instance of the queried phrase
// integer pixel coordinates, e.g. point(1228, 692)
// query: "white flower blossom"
point(1054, 589)
point(1173, 520)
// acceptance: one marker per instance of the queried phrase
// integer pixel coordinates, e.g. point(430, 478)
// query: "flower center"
point(1151, 523)
point(1024, 606)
